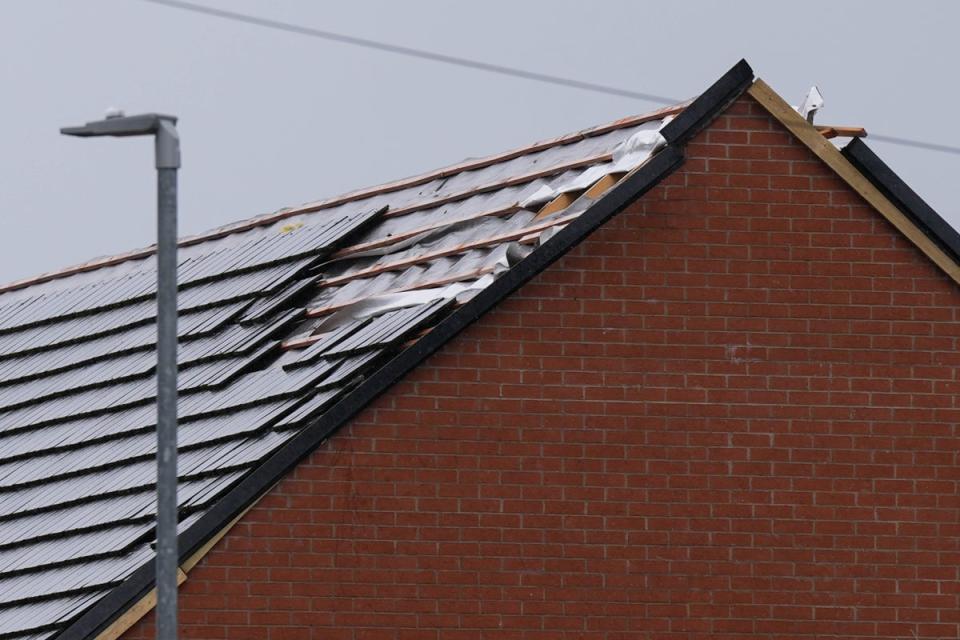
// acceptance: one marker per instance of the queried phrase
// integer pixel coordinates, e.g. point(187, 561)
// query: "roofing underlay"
point(289, 324)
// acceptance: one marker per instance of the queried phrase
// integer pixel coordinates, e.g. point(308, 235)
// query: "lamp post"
point(164, 130)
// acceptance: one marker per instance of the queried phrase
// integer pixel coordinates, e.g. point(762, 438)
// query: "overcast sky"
point(271, 119)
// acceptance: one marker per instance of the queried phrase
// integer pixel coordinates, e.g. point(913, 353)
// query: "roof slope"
point(286, 323)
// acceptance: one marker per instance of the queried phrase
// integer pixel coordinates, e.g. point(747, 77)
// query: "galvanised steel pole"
point(167, 141)
point(168, 161)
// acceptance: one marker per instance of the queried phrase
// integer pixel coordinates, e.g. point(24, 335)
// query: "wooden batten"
point(833, 131)
point(809, 136)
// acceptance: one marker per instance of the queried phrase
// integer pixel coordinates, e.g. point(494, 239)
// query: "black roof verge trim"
point(906, 199)
point(265, 476)
point(709, 104)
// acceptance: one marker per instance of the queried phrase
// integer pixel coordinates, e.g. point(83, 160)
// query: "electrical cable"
point(478, 65)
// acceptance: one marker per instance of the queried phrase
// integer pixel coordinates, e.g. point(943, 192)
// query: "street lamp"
point(164, 130)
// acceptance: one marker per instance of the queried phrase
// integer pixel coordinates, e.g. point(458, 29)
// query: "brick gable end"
point(730, 412)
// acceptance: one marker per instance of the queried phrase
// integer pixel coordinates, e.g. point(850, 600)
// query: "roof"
point(283, 320)
point(290, 324)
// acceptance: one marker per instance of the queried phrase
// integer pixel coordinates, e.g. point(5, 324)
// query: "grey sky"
point(273, 119)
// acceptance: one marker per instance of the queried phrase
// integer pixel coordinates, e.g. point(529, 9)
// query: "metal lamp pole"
point(164, 130)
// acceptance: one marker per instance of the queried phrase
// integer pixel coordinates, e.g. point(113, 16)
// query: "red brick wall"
point(730, 412)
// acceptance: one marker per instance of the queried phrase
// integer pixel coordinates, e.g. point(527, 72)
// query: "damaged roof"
point(281, 318)
point(289, 325)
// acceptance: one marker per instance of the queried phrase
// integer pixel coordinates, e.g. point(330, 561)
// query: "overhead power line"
point(414, 53)
point(906, 142)
point(476, 64)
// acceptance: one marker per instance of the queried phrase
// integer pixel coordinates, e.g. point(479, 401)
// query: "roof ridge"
point(350, 196)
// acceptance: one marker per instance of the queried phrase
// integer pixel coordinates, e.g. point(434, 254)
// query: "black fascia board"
point(706, 107)
point(709, 104)
point(906, 199)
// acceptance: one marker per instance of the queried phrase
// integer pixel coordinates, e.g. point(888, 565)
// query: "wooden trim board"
point(133, 615)
point(146, 604)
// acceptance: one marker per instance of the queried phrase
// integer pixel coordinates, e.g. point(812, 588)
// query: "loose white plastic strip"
point(585, 179)
point(812, 103)
point(541, 196)
point(635, 150)
point(627, 155)
point(375, 305)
